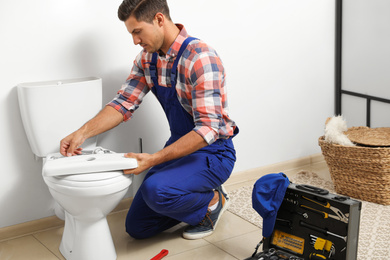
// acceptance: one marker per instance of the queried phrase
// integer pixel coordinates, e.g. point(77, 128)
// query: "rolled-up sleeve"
point(130, 96)
point(207, 77)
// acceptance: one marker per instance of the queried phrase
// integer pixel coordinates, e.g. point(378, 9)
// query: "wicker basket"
point(358, 171)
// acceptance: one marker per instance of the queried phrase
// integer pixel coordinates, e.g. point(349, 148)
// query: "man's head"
point(143, 10)
point(146, 21)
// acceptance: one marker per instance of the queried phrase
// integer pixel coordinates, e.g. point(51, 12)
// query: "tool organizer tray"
point(314, 224)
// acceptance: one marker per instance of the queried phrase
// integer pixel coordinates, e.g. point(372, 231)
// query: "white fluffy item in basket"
point(334, 131)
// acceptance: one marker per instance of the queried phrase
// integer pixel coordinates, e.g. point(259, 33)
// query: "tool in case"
point(312, 223)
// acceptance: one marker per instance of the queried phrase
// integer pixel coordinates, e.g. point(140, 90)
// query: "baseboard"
point(254, 174)
point(43, 224)
point(30, 227)
point(39, 225)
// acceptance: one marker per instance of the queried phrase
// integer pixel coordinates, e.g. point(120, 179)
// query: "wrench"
point(339, 215)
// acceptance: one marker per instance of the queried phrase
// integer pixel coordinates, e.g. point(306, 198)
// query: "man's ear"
point(159, 18)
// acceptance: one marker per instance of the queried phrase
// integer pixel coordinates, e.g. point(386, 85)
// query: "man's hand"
point(105, 120)
point(144, 160)
point(187, 144)
point(70, 145)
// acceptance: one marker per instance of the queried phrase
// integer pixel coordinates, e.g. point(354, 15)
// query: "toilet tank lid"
point(57, 165)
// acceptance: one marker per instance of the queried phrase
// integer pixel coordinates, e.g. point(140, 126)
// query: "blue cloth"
point(179, 190)
point(267, 196)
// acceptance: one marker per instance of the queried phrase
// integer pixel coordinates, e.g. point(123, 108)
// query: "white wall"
point(279, 56)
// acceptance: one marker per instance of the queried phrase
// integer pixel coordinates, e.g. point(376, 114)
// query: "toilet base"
point(91, 240)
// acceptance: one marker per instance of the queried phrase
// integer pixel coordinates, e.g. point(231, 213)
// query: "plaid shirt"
point(200, 87)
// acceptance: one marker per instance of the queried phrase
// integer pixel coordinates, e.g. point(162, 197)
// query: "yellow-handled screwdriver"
point(315, 256)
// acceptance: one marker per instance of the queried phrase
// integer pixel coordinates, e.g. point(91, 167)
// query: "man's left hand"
point(144, 160)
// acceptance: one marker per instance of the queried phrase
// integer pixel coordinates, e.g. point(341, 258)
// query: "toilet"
point(86, 187)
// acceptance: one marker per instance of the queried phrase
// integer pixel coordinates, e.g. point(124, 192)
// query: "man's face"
point(148, 35)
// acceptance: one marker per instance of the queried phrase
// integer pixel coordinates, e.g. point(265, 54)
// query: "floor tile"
point(130, 248)
point(242, 246)
point(51, 239)
point(25, 248)
point(209, 252)
point(230, 226)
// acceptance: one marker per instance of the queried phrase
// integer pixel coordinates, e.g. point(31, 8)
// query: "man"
point(188, 78)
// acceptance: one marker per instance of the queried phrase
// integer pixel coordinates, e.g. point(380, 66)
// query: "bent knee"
point(152, 193)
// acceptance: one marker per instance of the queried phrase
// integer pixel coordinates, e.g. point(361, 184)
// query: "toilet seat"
point(99, 176)
point(104, 161)
point(91, 174)
point(89, 188)
point(88, 180)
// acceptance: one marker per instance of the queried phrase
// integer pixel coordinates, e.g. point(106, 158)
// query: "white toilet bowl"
point(87, 198)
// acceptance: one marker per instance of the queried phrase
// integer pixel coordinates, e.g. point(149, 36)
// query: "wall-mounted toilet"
point(86, 186)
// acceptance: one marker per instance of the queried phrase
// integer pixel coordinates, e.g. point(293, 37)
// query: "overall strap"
point(153, 64)
point(174, 66)
point(153, 69)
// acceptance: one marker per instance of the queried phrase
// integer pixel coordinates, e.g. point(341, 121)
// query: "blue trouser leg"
point(179, 191)
point(143, 222)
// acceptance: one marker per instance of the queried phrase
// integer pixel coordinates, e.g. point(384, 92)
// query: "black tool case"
point(314, 224)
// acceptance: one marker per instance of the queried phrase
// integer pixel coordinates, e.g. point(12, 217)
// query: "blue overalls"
point(178, 190)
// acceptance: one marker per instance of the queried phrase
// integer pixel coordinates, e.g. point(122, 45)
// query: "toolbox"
point(312, 223)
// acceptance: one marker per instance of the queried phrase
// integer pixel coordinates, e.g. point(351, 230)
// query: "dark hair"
point(142, 10)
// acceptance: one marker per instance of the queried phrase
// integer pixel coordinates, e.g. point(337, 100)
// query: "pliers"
point(339, 215)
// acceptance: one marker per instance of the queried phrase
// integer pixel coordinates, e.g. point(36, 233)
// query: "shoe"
point(207, 226)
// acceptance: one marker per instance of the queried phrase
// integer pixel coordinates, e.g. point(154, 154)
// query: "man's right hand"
point(106, 119)
point(70, 145)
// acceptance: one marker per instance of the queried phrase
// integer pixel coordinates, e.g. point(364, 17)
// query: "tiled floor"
point(234, 238)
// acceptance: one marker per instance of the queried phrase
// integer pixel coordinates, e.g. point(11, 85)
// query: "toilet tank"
point(51, 110)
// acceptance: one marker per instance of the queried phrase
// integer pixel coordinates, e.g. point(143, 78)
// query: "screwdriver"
point(321, 230)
